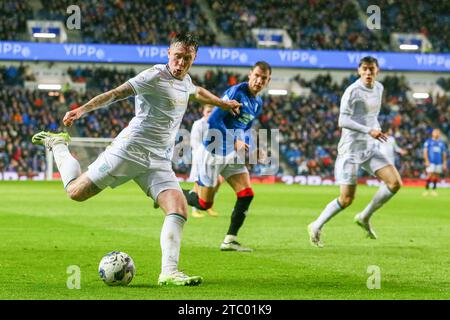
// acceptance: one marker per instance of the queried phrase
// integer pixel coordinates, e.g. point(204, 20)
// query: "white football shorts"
point(434, 168)
point(210, 166)
point(110, 170)
point(346, 167)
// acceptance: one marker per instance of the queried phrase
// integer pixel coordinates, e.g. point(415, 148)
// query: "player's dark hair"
point(368, 60)
point(263, 65)
point(186, 39)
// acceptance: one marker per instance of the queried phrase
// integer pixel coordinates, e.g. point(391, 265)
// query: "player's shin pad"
point(239, 214)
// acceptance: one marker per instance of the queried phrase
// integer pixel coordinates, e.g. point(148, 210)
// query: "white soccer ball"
point(116, 269)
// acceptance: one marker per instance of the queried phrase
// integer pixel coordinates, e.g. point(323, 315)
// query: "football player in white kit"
point(359, 148)
point(143, 150)
point(198, 132)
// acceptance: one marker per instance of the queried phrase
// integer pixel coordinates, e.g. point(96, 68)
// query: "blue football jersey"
point(234, 127)
point(435, 150)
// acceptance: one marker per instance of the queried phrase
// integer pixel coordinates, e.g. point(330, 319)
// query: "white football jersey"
point(160, 103)
point(198, 132)
point(389, 148)
point(362, 105)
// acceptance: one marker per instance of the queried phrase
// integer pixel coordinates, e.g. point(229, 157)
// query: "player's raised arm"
point(204, 96)
point(100, 101)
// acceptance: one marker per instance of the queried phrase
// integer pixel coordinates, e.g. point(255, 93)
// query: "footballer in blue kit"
point(251, 109)
point(435, 156)
point(232, 138)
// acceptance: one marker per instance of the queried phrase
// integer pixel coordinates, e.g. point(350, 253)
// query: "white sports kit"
point(211, 166)
point(357, 149)
point(143, 150)
point(198, 132)
point(389, 148)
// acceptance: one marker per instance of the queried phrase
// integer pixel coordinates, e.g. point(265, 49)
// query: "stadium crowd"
point(14, 19)
point(431, 18)
point(312, 24)
point(22, 112)
point(308, 124)
point(134, 22)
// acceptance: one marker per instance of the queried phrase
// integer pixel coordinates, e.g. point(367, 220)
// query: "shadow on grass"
point(146, 286)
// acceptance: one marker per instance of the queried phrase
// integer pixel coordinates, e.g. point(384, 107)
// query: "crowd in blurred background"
point(134, 22)
point(308, 124)
point(311, 24)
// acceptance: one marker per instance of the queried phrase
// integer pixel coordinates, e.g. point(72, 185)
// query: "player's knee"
point(345, 201)
point(244, 198)
point(247, 192)
point(80, 191)
point(396, 185)
point(76, 195)
point(181, 210)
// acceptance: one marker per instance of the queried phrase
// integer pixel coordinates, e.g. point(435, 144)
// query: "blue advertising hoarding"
point(217, 56)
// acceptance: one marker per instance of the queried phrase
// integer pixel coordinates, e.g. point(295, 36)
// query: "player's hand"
point(239, 145)
point(427, 163)
point(232, 106)
point(377, 134)
point(71, 116)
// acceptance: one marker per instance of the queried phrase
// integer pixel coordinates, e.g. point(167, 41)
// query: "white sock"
point(330, 211)
point(229, 238)
point(68, 166)
point(171, 242)
point(381, 197)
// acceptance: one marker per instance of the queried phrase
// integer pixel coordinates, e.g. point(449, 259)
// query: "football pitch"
point(43, 233)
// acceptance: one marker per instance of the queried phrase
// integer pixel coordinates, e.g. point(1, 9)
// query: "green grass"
point(42, 233)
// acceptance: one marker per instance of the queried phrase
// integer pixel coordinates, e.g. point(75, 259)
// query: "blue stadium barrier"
point(215, 56)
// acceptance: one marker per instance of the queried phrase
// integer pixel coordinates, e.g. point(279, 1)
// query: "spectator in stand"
point(308, 131)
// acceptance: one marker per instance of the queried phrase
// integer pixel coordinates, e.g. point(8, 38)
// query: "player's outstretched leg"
point(68, 166)
point(366, 226)
point(211, 212)
point(427, 186)
point(47, 138)
point(434, 181)
point(172, 203)
point(194, 200)
point(178, 278)
point(333, 208)
point(314, 236)
point(392, 183)
point(230, 243)
point(79, 187)
point(196, 213)
point(315, 227)
point(240, 182)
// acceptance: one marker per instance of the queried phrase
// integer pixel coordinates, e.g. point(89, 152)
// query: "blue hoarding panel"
point(215, 56)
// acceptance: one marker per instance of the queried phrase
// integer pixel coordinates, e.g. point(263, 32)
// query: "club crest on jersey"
point(245, 118)
point(178, 102)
